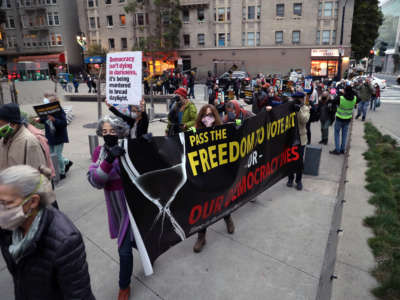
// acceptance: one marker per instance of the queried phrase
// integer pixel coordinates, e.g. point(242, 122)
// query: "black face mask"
point(110, 140)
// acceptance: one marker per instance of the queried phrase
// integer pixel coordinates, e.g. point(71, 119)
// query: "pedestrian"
point(43, 250)
point(324, 108)
point(303, 116)
point(375, 101)
point(89, 82)
point(104, 173)
point(210, 82)
point(18, 145)
point(364, 95)
point(182, 115)
point(345, 106)
point(208, 117)
point(57, 135)
point(75, 82)
point(191, 85)
point(137, 119)
point(236, 113)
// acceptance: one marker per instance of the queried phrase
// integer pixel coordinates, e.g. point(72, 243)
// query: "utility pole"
point(339, 73)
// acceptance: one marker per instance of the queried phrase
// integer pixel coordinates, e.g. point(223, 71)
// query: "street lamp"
point(339, 73)
point(81, 40)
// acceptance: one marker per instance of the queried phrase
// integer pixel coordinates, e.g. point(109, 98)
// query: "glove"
point(113, 153)
point(192, 129)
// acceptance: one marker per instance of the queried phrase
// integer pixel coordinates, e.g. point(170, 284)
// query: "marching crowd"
point(44, 251)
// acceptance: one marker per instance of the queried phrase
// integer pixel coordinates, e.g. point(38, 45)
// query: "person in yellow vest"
point(345, 106)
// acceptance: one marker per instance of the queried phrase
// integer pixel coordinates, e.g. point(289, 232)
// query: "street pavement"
point(277, 251)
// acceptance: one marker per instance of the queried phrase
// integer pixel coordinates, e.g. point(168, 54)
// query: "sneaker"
point(201, 241)
point(230, 227)
point(124, 294)
point(321, 142)
point(363, 119)
point(325, 142)
point(299, 186)
point(289, 183)
point(341, 151)
point(62, 176)
point(68, 166)
point(334, 152)
point(357, 117)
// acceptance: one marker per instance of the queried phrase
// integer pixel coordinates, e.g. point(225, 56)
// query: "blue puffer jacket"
point(60, 136)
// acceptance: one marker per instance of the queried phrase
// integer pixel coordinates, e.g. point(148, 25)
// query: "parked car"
point(235, 74)
point(375, 80)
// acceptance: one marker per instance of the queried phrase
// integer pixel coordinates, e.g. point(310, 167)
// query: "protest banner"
point(176, 186)
point(124, 78)
point(47, 109)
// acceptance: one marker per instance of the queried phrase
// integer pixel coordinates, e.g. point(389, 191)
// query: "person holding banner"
point(182, 115)
point(236, 113)
point(208, 117)
point(303, 116)
point(104, 173)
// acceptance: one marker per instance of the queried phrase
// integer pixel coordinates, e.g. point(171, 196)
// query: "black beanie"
point(10, 112)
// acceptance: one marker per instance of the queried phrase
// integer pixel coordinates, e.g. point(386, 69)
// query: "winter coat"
point(364, 92)
point(54, 265)
point(60, 135)
point(188, 118)
point(23, 148)
point(142, 125)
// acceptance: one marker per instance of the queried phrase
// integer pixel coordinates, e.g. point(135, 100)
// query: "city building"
point(42, 35)
point(265, 36)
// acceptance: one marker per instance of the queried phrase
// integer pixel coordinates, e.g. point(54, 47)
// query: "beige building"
point(40, 31)
point(271, 36)
point(268, 36)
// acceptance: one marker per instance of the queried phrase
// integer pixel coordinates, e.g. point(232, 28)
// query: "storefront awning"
point(164, 56)
point(50, 58)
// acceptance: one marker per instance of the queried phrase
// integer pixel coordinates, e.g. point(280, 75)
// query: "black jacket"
point(142, 126)
point(54, 266)
point(60, 136)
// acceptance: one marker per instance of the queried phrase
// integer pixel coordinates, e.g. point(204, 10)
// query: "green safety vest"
point(345, 109)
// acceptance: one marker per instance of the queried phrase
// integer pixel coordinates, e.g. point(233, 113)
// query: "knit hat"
point(182, 92)
point(10, 112)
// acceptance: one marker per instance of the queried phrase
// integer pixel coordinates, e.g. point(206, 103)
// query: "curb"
point(327, 274)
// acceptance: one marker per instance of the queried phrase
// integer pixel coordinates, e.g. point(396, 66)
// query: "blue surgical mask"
point(231, 115)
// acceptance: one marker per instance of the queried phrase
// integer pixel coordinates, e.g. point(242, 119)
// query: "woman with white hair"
point(104, 173)
point(43, 250)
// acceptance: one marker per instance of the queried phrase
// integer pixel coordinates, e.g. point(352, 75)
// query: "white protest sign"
point(124, 78)
point(307, 84)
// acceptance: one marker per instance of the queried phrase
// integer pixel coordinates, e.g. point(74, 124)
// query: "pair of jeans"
point(308, 127)
point(299, 172)
point(362, 108)
point(325, 130)
point(125, 261)
point(343, 126)
point(62, 161)
point(373, 104)
point(191, 91)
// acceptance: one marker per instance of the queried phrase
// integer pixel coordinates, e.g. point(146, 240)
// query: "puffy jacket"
point(54, 265)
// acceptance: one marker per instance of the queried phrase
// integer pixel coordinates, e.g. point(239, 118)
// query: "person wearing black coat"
point(43, 250)
point(138, 120)
point(57, 135)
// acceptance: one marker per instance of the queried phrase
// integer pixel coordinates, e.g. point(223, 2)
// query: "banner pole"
point(144, 257)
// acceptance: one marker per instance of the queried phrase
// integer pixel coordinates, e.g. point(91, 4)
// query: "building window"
point(140, 19)
point(185, 15)
point(297, 7)
point(243, 38)
point(278, 37)
point(334, 37)
point(215, 40)
point(200, 39)
point(200, 14)
point(336, 8)
point(50, 19)
point(11, 41)
point(98, 22)
point(221, 14)
point(56, 19)
point(296, 37)
point(251, 12)
point(280, 10)
point(124, 43)
point(228, 13)
point(320, 10)
point(122, 20)
point(110, 22)
point(328, 9)
point(107, 2)
point(186, 40)
point(92, 22)
point(326, 37)
point(221, 39)
point(258, 40)
point(258, 12)
point(11, 22)
point(228, 38)
point(111, 44)
point(59, 40)
point(92, 3)
point(6, 4)
point(318, 39)
point(250, 39)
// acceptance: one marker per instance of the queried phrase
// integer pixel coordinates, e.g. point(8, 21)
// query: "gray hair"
point(120, 127)
point(27, 180)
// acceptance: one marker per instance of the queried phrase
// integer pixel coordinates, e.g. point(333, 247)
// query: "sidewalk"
point(354, 257)
point(277, 250)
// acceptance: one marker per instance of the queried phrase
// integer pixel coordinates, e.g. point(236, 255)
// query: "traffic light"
point(371, 53)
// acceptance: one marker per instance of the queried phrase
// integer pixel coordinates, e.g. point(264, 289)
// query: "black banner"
point(47, 109)
point(176, 186)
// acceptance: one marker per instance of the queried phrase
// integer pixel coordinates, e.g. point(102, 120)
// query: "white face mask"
point(12, 218)
point(46, 101)
point(133, 115)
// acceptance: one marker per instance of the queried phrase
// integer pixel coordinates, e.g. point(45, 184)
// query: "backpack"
point(45, 146)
